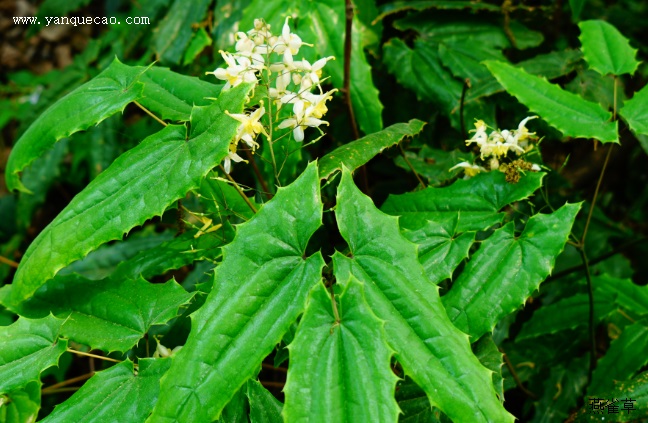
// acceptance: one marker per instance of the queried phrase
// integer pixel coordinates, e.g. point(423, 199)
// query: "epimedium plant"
point(405, 316)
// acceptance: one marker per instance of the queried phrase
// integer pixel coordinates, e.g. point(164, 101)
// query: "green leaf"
point(236, 411)
point(635, 112)
point(200, 40)
point(491, 357)
point(106, 94)
point(115, 395)
point(103, 261)
point(474, 203)
point(334, 356)
point(443, 221)
point(170, 255)
point(264, 407)
point(567, 313)
point(414, 404)
point(631, 397)
point(625, 357)
point(626, 294)
point(223, 200)
point(434, 164)
point(173, 34)
point(357, 153)
point(506, 270)
point(140, 184)
point(434, 353)
point(606, 50)
point(563, 110)
point(110, 315)
point(260, 288)
point(27, 347)
point(21, 405)
point(173, 95)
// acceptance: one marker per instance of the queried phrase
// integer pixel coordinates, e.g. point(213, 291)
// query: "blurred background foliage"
point(411, 59)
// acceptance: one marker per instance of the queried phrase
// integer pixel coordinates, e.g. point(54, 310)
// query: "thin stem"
point(67, 382)
point(93, 355)
point(596, 191)
point(148, 112)
point(240, 191)
point(518, 382)
point(8, 262)
point(348, 44)
point(466, 85)
point(336, 314)
point(258, 174)
point(592, 335)
point(271, 367)
point(60, 390)
point(410, 166)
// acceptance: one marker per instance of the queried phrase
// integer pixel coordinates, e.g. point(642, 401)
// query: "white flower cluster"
point(496, 145)
point(264, 58)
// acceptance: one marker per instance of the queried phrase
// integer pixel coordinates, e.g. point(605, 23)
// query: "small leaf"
point(106, 94)
point(626, 294)
point(567, 313)
point(27, 347)
point(625, 357)
point(111, 315)
point(140, 184)
point(431, 350)
point(200, 40)
point(21, 405)
point(563, 110)
point(264, 407)
point(491, 357)
point(576, 8)
point(415, 405)
point(635, 112)
point(563, 389)
point(420, 5)
point(506, 270)
point(117, 394)
point(332, 358)
point(260, 288)
point(606, 50)
point(356, 153)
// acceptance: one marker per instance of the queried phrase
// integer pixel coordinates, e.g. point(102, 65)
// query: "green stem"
point(238, 188)
point(590, 295)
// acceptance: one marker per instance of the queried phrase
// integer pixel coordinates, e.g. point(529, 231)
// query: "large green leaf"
point(356, 153)
point(174, 33)
point(474, 203)
point(111, 315)
point(21, 405)
point(140, 184)
point(27, 347)
point(433, 352)
point(173, 95)
point(565, 111)
point(118, 394)
point(635, 112)
point(625, 357)
point(443, 221)
point(264, 407)
point(334, 356)
point(106, 94)
point(260, 288)
point(606, 50)
point(567, 313)
point(506, 270)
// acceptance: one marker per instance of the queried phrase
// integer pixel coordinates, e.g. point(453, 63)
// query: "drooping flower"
point(469, 169)
point(250, 126)
point(302, 119)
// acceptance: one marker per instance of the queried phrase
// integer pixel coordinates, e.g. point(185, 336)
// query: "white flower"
point(301, 120)
point(312, 73)
point(231, 155)
point(250, 126)
point(238, 70)
point(469, 169)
